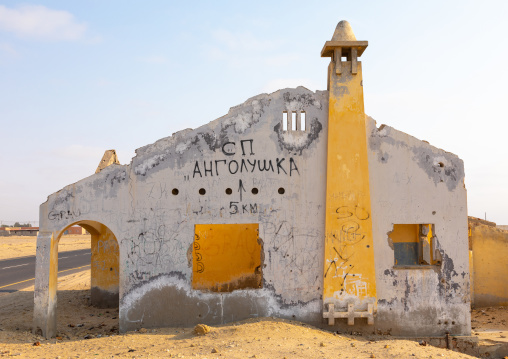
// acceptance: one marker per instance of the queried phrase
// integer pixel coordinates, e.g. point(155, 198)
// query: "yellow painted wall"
point(471, 277)
point(404, 233)
point(226, 257)
point(490, 265)
point(349, 253)
point(105, 259)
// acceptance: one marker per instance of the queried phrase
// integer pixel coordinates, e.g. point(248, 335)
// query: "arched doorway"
point(104, 264)
point(104, 273)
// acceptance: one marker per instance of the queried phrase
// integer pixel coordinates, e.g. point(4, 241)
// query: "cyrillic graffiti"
point(245, 165)
point(237, 207)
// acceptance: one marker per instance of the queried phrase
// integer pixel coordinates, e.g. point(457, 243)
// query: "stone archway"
point(104, 273)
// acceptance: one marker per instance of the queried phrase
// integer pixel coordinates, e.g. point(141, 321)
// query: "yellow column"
point(349, 272)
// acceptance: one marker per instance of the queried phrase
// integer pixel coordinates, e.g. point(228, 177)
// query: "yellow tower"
point(349, 288)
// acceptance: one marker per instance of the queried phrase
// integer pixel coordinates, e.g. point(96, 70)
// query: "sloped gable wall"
point(153, 205)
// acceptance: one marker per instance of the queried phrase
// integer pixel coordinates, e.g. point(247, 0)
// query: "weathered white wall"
point(155, 228)
point(161, 230)
point(409, 186)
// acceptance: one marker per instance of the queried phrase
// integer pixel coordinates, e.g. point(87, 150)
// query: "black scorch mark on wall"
point(447, 287)
point(311, 135)
point(304, 100)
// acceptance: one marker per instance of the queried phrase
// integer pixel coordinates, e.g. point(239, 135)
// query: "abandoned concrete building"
point(293, 205)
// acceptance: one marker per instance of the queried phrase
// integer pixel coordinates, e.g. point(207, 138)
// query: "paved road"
point(18, 273)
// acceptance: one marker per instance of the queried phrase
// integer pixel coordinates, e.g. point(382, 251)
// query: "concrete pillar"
point(46, 269)
point(349, 271)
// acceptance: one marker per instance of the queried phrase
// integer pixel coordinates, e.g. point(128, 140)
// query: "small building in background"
point(75, 230)
point(21, 231)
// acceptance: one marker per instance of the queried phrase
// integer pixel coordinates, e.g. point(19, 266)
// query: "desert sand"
point(22, 246)
point(88, 332)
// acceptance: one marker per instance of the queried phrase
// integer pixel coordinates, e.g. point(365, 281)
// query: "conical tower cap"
point(343, 38)
point(343, 32)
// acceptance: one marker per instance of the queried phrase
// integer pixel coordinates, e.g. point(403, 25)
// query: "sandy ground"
point(87, 332)
point(21, 246)
point(491, 326)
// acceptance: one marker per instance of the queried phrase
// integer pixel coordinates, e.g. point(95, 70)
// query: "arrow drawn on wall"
point(241, 189)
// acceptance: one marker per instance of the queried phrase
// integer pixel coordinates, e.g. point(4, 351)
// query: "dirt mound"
point(201, 329)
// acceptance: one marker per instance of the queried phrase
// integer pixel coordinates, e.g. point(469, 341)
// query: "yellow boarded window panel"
point(227, 257)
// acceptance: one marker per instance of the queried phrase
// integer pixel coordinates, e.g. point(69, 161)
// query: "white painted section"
point(409, 186)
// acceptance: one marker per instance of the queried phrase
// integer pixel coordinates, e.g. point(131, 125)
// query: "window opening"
point(414, 245)
point(293, 121)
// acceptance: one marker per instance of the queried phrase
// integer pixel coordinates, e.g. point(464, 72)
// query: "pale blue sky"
point(77, 78)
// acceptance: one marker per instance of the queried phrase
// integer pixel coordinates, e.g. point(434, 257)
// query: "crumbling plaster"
point(408, 185)
point(155, 228)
